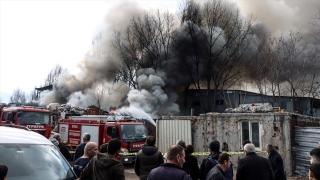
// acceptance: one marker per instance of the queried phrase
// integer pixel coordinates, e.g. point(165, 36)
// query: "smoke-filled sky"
point(37, 35)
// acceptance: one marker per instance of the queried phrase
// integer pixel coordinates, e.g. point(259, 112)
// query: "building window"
point(250, 131)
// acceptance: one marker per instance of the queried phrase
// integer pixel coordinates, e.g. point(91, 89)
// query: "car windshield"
point(27, 117)
point(35, 162)
point(133, 131)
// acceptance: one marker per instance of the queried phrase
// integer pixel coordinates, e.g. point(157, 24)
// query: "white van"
point(30, 156)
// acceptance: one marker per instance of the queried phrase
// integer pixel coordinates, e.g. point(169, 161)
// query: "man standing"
point(105, 165)
point(191, 163)
point(90, 150)
point(218, 172)
point(253, 167)
point(147, 158)
point(80, 148)
point(276, 163)
point(172, 169)
point(62, 147)
point(208, 163)
point(212, 160)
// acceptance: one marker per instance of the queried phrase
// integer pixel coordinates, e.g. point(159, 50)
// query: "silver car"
point(30, 156)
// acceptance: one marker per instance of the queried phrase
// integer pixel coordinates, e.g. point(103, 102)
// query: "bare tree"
point(18, 96)
point(145, 44)
point(219, 39)
point(54, 75)
point(315, 21)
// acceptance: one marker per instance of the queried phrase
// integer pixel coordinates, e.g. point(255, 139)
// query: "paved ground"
point(129, 172)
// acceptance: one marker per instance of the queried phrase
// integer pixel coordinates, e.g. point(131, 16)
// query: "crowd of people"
point(178, 163)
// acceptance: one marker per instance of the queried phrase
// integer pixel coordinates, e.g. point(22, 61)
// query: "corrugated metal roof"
point(170, 131)
point(306, 138)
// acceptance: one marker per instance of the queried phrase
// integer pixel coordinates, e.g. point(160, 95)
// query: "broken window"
point(250, 131)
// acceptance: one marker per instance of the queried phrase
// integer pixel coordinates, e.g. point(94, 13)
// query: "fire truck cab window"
point(12, 117)
point(25, 117)
point(133, 131)
point(109, 132)
point(4, 116)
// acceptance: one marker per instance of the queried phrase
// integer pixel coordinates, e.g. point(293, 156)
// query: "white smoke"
point(151, 97)
point(137, 113)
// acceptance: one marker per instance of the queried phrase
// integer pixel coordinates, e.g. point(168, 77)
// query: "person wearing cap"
point(253, 167)
point(191, 163)
point(63, 149)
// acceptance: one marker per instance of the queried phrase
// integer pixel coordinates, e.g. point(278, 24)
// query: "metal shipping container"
point(170, 131)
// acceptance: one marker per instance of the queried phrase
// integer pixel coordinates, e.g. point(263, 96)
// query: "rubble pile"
point(250, 108)
point(68, 110)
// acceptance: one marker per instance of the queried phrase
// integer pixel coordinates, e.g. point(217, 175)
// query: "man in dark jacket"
point(63, 149)
point(218, 171)
point(276, 163)
point(208, 163)
point(90, 150)
point(172, 169)
point(147, 158)
point(105, 165)
point(191, 163)
point(80, 148)
point(253, 167)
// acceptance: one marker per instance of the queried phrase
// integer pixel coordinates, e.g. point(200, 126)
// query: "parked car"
point(31, 156)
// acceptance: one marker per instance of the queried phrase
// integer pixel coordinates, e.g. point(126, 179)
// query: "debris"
point(251, 108)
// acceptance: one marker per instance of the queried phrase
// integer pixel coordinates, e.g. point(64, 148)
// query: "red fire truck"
point(102, 129)
point(38, 120)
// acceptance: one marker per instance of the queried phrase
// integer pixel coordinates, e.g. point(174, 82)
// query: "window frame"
point(4, 116)
point(250, 132)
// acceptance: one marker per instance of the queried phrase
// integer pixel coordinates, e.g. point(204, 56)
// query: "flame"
point(112, 110)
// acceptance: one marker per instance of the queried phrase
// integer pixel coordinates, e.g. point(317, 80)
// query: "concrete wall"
point(277, 129)
point(226, 128)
